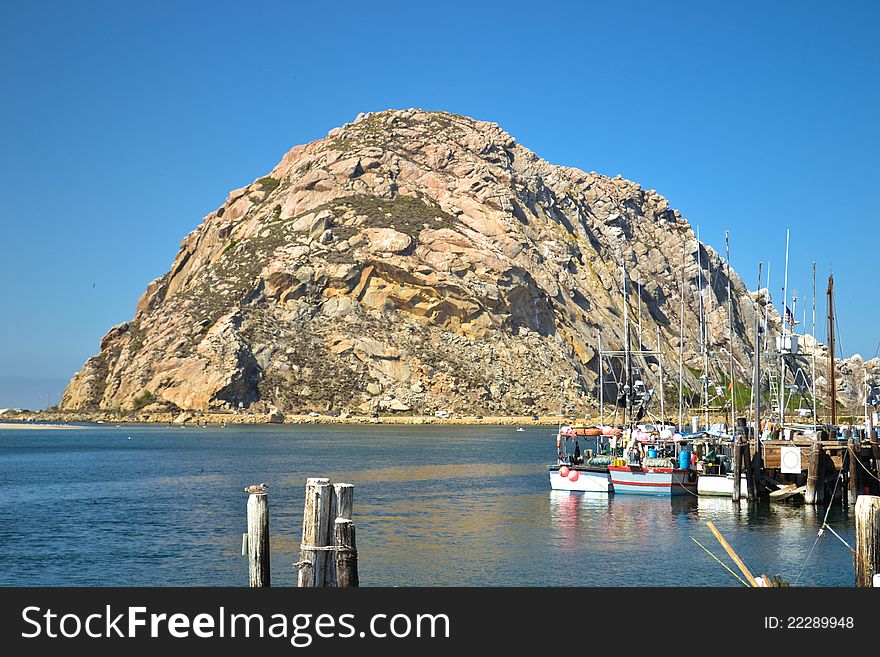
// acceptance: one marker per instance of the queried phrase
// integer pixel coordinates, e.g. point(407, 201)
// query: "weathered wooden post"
point(737, 466)
point(342, 504)
point(815, 475)
point(345, 553)
point(313, 546)
point(855, 470)
point(875, 452)
point(867, 539)
point(258, 535)
point(341, 507)
point(750, 470)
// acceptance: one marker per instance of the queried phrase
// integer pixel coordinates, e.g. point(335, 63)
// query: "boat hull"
point(594, 480)
point(720, 485)
point(635, 480)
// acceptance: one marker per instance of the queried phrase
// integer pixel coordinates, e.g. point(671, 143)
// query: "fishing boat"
point(585, 478)
point(720, 485)
point(665, 469)
point(576, 471)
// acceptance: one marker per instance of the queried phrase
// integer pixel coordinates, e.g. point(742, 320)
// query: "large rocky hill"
point(413, 261)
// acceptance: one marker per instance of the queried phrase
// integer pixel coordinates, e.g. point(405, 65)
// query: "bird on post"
point(257, 489)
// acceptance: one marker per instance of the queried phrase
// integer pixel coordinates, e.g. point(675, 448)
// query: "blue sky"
point(123, 124)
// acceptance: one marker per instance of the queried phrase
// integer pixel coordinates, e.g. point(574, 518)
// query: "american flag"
point(789, 318)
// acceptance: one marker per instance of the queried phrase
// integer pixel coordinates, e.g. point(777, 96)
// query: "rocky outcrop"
point(412, 261)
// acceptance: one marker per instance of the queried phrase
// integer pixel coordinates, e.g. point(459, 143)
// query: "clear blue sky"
point(124, 123)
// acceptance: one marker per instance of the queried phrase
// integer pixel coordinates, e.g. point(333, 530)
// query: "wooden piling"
point(345, 553)
point(341, 508)
point(855, 471)
point(815, 475)
point(258, 536)
point(867, 539)
point(875, 453)
point(843, 473)
point(750, 471)
point(737, 467)
point(315, 533)
point(342, 504)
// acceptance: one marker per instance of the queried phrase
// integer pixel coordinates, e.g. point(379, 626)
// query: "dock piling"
point(855, 471)
point(815, 475)
point(341, 506)
point(328, 554)
point(316, 515)
point(737, 467)
point(344, 553)
point(258, 536)
point(867, 555)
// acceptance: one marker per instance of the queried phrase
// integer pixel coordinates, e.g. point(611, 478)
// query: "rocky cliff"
point(416, 261)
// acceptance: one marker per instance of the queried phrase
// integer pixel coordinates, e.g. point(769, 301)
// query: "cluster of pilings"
point(328, 551)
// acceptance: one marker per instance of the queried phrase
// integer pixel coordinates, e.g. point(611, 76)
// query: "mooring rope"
point(828, 527)
point(744, 583)
point(825, 526)
point(685, 488)
point(818, 538)
point(321, 548)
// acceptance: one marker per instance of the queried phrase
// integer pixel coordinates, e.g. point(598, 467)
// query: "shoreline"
point(71, 420)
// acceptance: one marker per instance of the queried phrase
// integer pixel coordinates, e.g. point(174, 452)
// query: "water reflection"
point(434, 506)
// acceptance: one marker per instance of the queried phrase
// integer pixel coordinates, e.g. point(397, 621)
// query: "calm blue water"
point(434, 506)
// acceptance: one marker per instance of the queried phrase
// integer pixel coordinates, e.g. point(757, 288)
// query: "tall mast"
point(831, 350)
point(639, 300)
point(767, 306)
point(703, 334)
point(783, 333)
point(681, 348)
point(815, 343)
point(730, 330)
point(627, 387)
point(660, 361)
point(756, 381)
point(601, 382)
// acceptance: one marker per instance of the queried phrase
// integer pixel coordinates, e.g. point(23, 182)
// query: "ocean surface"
point(434, 506)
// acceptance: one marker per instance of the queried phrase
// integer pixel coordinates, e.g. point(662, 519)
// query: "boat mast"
point(730, 331)
point(815, 344)
point(831, 351)
point(681, 348)
point(783, 332)
point(639, 297)
point(627, 387)
point(756, 381)
point(601, 383)
point(767, 306)
point(660, 361)
point(703, 334)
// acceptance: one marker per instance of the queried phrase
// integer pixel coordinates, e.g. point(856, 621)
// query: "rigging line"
point(828, 527)
point(818, 538)
point(724, 565)
point(837, 480)
point(837, 341)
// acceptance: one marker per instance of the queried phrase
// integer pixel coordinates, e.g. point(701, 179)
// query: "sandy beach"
point(4, 426)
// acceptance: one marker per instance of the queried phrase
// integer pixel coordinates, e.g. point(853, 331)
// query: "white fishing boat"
point(720, 485)
point(580, 478)
point(576, 471)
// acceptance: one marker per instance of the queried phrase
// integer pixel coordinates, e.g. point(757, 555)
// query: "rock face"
point(417, 261)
